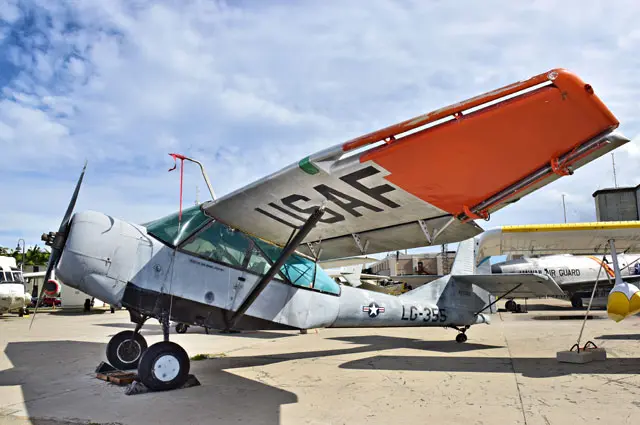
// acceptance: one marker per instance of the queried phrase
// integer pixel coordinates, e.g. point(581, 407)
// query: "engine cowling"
point(51, 288)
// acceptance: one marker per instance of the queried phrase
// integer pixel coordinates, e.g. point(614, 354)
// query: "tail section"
point(465, 261)
point(352, 274)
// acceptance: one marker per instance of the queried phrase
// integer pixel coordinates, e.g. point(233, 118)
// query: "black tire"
point(26, 311)
point(176, 366)
point(510, 305)
point(182, 328)
point(123, 353)
point(576, 301)
point(21, 312)
point(460, 338)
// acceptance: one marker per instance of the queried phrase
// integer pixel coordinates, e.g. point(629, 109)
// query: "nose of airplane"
point(98, 255)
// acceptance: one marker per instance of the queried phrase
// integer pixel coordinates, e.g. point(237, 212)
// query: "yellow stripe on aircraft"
point(608, 225)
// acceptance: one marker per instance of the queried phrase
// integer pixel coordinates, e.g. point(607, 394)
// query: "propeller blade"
point(47, 276)
point(72, 203)
point(58, 243)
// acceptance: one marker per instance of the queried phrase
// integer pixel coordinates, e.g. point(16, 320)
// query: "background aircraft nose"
point(96, 255)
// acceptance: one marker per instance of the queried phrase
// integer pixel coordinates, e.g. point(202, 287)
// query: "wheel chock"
point(105, 367)
point(137, 387)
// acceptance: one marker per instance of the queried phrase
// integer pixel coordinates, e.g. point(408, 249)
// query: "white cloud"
point(251, 87)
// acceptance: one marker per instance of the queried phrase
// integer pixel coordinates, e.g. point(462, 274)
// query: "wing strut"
point(288, 250)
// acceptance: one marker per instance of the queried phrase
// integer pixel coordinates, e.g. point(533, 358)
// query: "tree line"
point(33, 256)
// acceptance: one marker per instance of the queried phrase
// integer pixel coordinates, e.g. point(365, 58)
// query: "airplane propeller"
point(57, 240)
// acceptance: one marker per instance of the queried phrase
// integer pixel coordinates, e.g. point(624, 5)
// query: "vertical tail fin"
point(352, 274)
point(465, 261)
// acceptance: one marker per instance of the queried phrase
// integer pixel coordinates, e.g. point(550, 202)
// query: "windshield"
point(167, 230)
point(11, 277)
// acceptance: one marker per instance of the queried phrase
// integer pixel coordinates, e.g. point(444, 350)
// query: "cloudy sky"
point(251, 86)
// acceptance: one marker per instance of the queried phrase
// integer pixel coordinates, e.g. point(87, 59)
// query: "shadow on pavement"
point(619, 337)
point(527, 367)
point(57, 380)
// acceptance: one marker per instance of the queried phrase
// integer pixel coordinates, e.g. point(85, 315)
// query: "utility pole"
point(564, 208)
point(615, 179)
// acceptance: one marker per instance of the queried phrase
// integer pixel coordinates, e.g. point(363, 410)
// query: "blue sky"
point(249, 87)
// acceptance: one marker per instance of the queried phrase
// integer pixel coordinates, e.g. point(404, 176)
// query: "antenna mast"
point(615, 179)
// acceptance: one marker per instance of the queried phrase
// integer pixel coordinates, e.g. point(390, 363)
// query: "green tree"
point(33, 256)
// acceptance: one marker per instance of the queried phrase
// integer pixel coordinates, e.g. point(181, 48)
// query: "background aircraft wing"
point(569, 238)
point(344, 262)
point(531, 285)
point(422, 181)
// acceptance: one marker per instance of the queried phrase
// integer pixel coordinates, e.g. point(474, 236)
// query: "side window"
point(220, 243)
point(300, 270)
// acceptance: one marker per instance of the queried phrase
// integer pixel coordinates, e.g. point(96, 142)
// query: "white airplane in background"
point(248, 260)
point(575, 274)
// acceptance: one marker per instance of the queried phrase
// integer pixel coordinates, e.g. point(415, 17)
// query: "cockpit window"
point(171, 232)
point(221, 244)
point(17, 277)
point(217, 242)
point(2, 277)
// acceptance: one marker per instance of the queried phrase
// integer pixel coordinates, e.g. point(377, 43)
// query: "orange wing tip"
point(555, 76)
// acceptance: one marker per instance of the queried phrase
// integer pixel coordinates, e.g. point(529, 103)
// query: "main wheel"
point(460, 338)
point(21, 312)
point(164, 366)
point(510, 305)
point(182, 328)
point(124, 353)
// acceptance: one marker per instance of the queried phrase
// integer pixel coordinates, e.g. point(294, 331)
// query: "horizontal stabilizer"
point(345, 262)
point(528, 285)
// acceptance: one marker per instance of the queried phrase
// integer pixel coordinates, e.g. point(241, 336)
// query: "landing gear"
point(125, 349)
point(182, 328)
point(576, 301)
point(462, 336)
point(164, 366)
point(511, 305)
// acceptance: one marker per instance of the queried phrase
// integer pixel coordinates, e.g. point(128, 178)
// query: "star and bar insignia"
point(373, 309)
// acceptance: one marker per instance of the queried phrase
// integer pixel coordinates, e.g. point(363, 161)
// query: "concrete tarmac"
point(505, 373)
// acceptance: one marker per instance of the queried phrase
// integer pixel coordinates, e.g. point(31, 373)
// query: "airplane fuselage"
point(571, 272)
point(207, 276)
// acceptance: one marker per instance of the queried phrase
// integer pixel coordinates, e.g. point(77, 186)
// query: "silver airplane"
point(249, 260)
point(575, 274)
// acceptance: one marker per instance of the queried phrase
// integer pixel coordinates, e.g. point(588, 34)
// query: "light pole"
point(23, 253)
